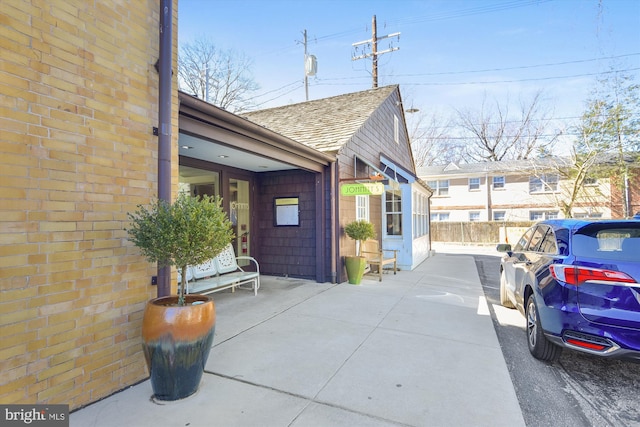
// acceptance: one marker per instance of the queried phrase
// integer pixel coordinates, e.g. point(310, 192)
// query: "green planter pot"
point(355, 268)
point(176, 343)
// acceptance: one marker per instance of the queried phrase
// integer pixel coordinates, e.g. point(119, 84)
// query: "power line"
point(472, 137)
point(521, 67)
point(533, 79)
point(276, 90)
point(545, 119)
point(300, 84)
point(477, 10)
point(456, 13)
point(325, 82)
point(447, 15)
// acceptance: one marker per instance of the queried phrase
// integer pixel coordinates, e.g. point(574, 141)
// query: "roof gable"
point(324, 124)
point(451, 167)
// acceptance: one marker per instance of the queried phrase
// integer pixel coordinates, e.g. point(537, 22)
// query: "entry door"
point(240, 216)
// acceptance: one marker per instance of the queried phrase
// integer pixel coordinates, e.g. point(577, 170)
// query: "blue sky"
point(452, 52)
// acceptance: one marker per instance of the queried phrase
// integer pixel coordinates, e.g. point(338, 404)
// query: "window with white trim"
point(474, 184)
point(393, 210)
point(440, 216)
point(474, 216)
point(440, 188)
point(362, 208)
point(542, 215)
point(499, 215)
point(544, 183)
point(498, 182)
point(420, 214)
point(587, 215)
point(396, 129)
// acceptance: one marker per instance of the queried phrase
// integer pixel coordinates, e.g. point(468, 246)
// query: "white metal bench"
point(221, 272)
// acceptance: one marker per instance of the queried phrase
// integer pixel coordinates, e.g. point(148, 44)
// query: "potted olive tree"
point(359, 231)
point(177, 330)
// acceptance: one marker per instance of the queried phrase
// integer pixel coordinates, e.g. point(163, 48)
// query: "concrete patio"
point(417, 349)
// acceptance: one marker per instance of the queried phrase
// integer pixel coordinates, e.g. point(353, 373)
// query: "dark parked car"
point(577, 284)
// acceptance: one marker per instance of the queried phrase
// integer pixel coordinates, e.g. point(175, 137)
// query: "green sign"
point(362, 189)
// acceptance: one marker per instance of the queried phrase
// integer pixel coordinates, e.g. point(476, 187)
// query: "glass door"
point(240, 216)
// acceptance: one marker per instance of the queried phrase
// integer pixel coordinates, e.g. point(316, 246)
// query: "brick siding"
point(78, 94)
point(617, 199)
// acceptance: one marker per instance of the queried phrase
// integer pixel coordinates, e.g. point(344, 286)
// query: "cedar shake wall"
point(374, 138)
point(287, 251)
point(79, 101)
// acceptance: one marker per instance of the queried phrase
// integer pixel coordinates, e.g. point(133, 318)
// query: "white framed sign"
point(286, 211)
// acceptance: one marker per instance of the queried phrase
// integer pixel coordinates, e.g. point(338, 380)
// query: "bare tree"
point(495, 134)
point(612, 121)
point(580, 184)
point(602, 154)
point(570, 183)
point(221, 77)
point(431, 143)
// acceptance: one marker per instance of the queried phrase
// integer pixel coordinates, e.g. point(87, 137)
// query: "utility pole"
point(373, 42)
point(306, 78)
point(206, 82)
point(374, 50)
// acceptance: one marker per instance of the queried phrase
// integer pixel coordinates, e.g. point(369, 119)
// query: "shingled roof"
point(504, 167)
point(324, 124)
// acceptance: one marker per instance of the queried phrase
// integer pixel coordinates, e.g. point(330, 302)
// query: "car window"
point(548, 245)
point(562, 237)
point(613, 242)
point(522, 243)
point(536, 239)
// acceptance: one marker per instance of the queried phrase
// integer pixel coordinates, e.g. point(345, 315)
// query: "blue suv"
point(577, 283)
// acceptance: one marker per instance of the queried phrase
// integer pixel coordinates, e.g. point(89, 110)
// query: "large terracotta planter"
point(355, 268)
point(176, 343)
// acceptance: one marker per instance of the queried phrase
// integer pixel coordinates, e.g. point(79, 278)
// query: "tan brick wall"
point(78, 101)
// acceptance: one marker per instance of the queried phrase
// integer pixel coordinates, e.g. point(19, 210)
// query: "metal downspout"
point(334, 224)
point(489, 201)
point(164, 124)
point(429, 224)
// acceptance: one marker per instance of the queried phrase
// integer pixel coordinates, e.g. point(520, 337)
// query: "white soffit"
point(225, 155)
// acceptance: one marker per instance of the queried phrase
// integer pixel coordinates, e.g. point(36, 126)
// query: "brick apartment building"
point(522, 190)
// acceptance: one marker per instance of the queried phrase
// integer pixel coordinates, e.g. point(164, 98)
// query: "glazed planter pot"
point(176, 343)
point(355, 268)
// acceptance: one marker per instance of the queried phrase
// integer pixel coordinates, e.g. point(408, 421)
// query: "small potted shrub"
point(359, 231)
point(177, 330)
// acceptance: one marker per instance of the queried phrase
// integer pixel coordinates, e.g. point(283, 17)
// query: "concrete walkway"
point(418, 349)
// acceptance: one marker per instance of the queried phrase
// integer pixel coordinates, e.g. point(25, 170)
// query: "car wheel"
point(539, 346)
point(504, 299)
